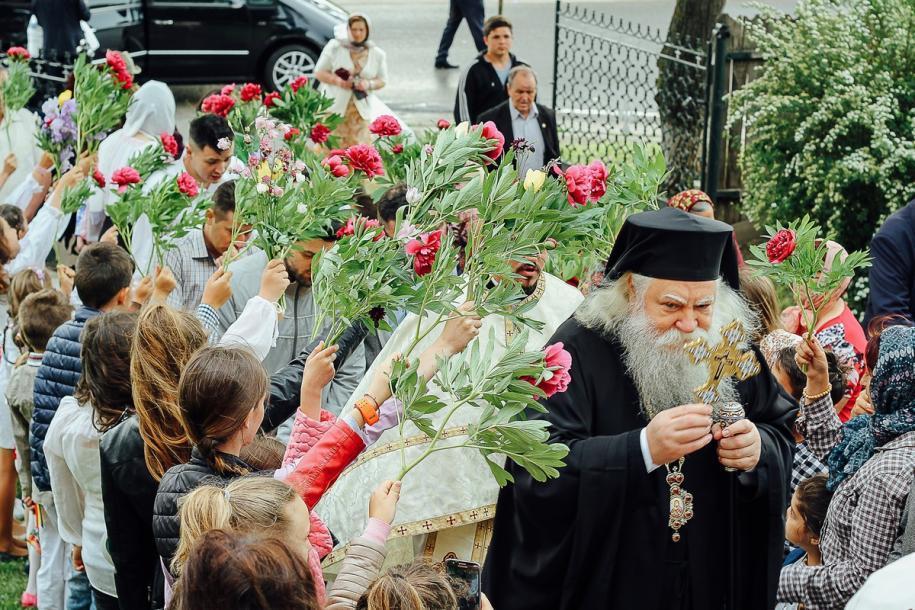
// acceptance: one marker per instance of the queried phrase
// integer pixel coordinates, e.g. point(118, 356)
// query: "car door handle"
point(164, 21)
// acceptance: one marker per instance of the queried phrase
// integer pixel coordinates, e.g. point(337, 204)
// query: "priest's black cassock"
point(598, 536)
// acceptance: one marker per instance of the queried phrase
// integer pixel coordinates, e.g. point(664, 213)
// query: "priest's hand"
point(679, 431)
point(739, 445)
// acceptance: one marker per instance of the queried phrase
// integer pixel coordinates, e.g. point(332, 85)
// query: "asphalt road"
point(409, 31)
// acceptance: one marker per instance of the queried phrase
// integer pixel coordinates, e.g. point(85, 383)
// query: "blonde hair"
point(247, 503)
point(759, 293)
point(24, 283)
point(416, 586)
point(164, 343)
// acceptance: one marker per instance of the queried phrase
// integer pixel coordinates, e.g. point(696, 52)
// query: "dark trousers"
point(103, 601)
point(472, 11)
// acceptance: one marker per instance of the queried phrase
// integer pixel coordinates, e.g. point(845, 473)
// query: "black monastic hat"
point(671, 244)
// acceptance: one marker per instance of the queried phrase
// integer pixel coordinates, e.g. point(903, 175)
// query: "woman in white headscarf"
point(151, 114)
point(18, 149)
point(351, 70)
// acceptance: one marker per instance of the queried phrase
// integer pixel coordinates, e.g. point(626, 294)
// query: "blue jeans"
point(79, 593)
point(472, 11)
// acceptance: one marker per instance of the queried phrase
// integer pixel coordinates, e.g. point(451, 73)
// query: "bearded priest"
point(602, 534)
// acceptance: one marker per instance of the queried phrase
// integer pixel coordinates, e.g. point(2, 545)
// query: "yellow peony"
point(534, 179)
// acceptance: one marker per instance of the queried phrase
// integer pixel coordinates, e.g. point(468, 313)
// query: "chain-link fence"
point(619, 83)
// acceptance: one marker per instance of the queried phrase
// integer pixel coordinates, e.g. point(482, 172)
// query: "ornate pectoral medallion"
point(681, 501)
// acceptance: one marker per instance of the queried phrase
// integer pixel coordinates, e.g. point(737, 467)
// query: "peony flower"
point(578, 184)
point(556, 377)
point(598, 179)
point(65, 96)
point(534, 179)
point(300, 177)
point(261, 187)
point(385, 126)
point(443, 124)
point(299, 82)
point(218, 104)
point(491, 132)
point(412, 195)
point(18, 54)
point(169, 144)
point(99, 178)
point(348, 229)
point(124, 177)
point(428, 150)
point(319, 133)
point(250, 92)
point(291, 134)
point(377, 315)
point(340, 171)
point(115, 61)
point(271, 98)
point(277, 191)
point(423, 251)
point(228, 89)
point(301, 208)
point(366, 159)
point(397, 149)
point(187, 185)
point(780, 246)
point(462, 129)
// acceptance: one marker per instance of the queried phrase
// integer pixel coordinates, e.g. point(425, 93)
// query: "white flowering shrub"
point(830, 121)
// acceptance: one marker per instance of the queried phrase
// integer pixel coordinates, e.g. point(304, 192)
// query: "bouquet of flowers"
point(308, 113)
point(396, 149)
point(172, 207)
point(17, 89)
point(241, 106)
point(57, 133)
point(795, 256)
point(103, 95)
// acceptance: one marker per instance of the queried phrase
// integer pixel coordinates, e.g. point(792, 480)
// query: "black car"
point(204, 41)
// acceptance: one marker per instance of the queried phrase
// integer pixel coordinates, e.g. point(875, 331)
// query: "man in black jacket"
point(482, 85)
point(59, 20)
point(521, 118)
point(892, 273)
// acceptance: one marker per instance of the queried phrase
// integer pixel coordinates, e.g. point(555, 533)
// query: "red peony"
point(99, 178)
point(124, 177)
point(228, 89)
point(385, 126)
point(556, 378)
point(350, 227)
point(187, 185)
point(366, 159)
point(250, 91)
point(18, 53)
point(169, 144)
point(397, 149)
point(115, 61)
point(578, 184)
point(218, 104)
point(340, 171)
point(781, 246)
point(299, 82)
point(293, 132)
point(491, 132)
point(423, 251)
point(319, 133)
point(336, 165)
point(443, 124)
point(270, 98)
point(125, 78)
point(598, 180)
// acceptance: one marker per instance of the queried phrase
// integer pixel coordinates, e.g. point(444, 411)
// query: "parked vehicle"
point(204, 41)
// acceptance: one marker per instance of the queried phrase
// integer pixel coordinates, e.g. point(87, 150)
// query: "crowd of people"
point(181, 436)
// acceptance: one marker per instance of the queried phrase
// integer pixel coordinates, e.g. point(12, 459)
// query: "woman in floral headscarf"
point(699, 203)
point(837, 329)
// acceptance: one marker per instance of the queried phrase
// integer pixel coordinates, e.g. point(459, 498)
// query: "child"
point(103, 274)
point(102, 396)
point(804, 522)
point(38, 315)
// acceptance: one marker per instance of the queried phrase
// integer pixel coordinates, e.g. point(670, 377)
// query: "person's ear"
point(815, 541)
point(210, 216)
point(123, 295)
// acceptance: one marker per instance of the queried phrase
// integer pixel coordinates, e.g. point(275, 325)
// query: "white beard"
point(662, 373)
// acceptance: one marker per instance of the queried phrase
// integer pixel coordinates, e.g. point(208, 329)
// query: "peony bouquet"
point(17, 89)
point(102, 94)
point(795, 256)
point(307, 111)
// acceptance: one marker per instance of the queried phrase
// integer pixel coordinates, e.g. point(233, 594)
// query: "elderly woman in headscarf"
point(151, 114)
point(351, 70)
point(837, 329)
point(871, 463)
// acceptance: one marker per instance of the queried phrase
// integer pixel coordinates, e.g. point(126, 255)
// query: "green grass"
point(12, 583)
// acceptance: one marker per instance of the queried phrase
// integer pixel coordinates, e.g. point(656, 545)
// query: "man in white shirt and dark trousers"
point(521, 118)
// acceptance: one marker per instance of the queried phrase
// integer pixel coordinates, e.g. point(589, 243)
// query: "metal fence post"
point(556, 53)
point(716, 112)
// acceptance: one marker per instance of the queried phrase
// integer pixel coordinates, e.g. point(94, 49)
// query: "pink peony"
point(443, 124)
point(366, 159)
point(491, 132)
point(228, 89)
point(336, 165)
point(598, 179)
point(350, 227)
point(556, 377)
point(169, 144)
point(299, 82)
point(249, 92)
point(18, 53)
point(218, 104)
point(423, 251)
point(340, 171)
point(319, 133)
point(187, 185)
point(578, 184)
point(270, 98)
point(124, 177)
point(385, 125)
